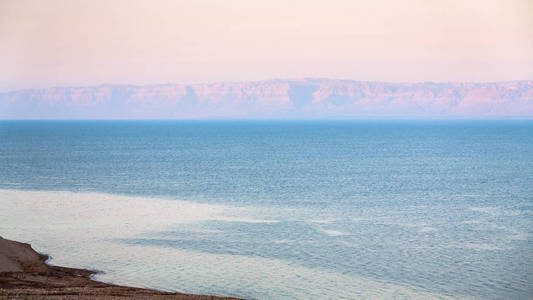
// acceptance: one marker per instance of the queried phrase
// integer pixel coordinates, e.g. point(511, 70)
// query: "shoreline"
point(24, 274)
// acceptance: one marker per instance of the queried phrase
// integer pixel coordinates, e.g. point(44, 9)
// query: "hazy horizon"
point(275, 99)
point(286, 59)
point(104, 84)
point(87, 43)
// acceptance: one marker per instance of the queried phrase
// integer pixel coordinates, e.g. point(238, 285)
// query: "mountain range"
point(295, 98)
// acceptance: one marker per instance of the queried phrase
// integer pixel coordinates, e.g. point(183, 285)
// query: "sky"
point(71, 42)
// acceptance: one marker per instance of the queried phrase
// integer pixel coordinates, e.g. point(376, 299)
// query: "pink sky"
point(67, 42)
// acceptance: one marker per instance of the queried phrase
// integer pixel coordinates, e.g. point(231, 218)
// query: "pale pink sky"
point(68, 42)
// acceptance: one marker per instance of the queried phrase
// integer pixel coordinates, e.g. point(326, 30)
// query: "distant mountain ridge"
point(295, 98)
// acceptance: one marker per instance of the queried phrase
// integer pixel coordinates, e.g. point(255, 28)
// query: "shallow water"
point(272, 209)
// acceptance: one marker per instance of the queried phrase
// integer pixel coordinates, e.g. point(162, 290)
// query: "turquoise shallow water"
point(279, 209)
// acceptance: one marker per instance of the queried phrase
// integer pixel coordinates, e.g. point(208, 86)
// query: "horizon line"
point(455, 118)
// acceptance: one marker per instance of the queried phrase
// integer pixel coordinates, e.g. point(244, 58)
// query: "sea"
point(279, 209)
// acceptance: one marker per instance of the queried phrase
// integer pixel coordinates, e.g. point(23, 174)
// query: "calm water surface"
point(279, 209)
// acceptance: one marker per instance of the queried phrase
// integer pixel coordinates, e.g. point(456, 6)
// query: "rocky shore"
point(24, 274)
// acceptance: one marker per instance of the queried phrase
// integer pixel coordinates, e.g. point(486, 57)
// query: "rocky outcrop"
point(303, 98)
point(25, 275)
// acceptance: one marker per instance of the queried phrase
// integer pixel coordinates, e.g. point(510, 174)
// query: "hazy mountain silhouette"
point(299, 98)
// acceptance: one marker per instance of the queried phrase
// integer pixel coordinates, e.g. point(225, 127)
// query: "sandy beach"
point(24, 274)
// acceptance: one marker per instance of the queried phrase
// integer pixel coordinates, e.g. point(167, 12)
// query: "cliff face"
point(306, 98)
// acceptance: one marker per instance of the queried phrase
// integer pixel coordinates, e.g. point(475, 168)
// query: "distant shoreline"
point(24, 274)
point(309, 98)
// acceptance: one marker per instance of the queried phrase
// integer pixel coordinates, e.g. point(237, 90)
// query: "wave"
point(333, 232)
point(427, 229)
point(243, 220)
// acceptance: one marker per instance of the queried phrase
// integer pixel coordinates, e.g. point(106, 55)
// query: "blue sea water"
point(279, 209)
